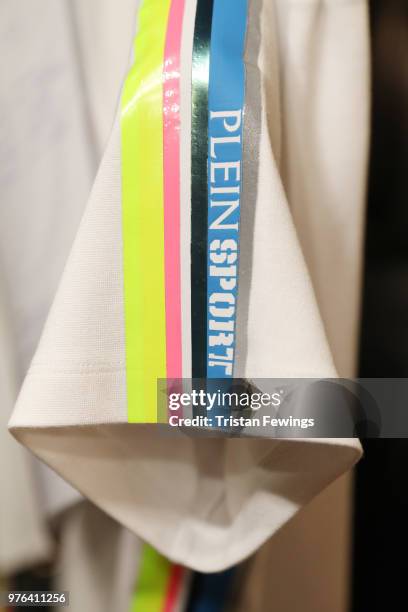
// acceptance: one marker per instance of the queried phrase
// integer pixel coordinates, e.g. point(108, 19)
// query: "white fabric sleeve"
point(207, 503)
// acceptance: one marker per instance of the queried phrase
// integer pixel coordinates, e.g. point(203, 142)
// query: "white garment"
point(23, 535)
point(56, 112)
point(210, 503)
point(97, 560)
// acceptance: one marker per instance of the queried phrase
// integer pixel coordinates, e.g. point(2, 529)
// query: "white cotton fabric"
point(43, 187)
point(325, 84)
point(23, 536)
point(211, 503)
point(48, 164)
point(56, 112)
point(98, 560)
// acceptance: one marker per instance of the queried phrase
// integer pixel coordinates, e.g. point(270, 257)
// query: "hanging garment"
point(86, 406)
point(50, 146)
point(63, 104)
point(45, 177)
point(161, 586)
point(23, 536)
point(325, 79)
point(97, 562)
point(106, 567)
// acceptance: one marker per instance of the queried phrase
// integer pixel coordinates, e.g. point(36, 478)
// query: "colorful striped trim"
point(159, 586)
point(150, 129)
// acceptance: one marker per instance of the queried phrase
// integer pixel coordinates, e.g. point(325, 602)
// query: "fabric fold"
point(195, 500)
point(204, 503)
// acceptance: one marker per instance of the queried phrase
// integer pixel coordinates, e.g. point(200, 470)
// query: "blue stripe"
point(211, 592)
point(226, 105)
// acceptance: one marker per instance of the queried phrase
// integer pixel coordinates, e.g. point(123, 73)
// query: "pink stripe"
point(171, 160)
point(173, 588)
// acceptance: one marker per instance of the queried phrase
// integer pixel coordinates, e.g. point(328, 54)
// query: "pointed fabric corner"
point(136, 301)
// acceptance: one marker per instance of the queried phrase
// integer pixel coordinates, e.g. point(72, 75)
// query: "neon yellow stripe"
point(151, 587)
point(143, 225)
